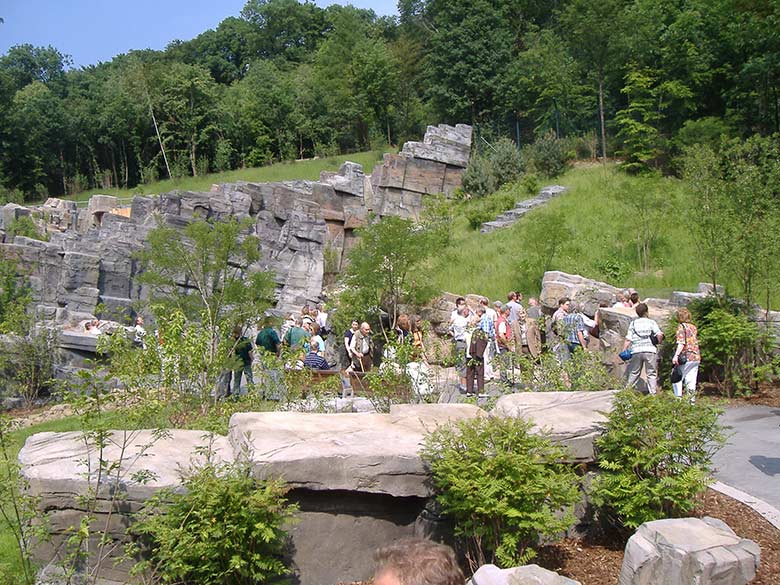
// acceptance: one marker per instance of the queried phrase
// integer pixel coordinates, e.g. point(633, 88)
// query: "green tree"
point(465, 64)
point(207, 274)
point(592, 36)
point(382, 272)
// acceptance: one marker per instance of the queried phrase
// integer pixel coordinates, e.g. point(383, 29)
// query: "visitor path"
point(750, 461)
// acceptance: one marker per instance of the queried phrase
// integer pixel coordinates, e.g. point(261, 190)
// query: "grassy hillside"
point(285, 171)
point(593, 228)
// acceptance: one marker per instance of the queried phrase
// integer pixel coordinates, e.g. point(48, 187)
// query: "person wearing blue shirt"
point(313, 360)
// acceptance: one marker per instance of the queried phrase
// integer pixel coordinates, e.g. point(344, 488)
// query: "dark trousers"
point(475, 367)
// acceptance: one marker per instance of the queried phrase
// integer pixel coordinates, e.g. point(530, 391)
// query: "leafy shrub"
point(734, 352)
point(487, 209)
point(583, 371)
point(655, 457)
point(506, 162)
point(547, 156)
point(503, 486)
point(226, 528)
point(708, 130)
point(23, 226)
point(478, 179)
point(530, 183)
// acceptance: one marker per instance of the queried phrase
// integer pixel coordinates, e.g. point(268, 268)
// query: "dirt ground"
point(594, 562)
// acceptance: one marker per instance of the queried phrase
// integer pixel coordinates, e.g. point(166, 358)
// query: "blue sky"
point(96, 30)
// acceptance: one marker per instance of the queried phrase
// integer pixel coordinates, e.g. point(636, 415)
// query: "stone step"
point(510, 217)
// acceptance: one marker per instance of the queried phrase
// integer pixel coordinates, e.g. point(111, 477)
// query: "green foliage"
point(23, 226)
point(19, 513)
point(655, 457)
point(215, 259)
point(479, 179)
point(583, 371)
point(708, 131)
point(226, 528)
point(500, 165)
point(734, 353)
point(736, 211)
point(547, 156)
point(383, 267)
point(481, 210)
point(502, 485)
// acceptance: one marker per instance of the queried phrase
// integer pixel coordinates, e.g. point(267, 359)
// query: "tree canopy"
point(287, 79)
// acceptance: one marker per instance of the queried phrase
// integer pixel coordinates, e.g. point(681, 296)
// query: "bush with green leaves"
point(478, 178)
point(548, 156)
point(583, 371)
point(502, 485)
point(655, 457)
point(226, 528)
point(735, 352)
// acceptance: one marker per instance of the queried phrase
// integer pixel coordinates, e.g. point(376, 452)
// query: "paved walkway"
point(750, 461)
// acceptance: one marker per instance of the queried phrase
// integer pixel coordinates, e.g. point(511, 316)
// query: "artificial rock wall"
point(89, 258)
point(357, 478)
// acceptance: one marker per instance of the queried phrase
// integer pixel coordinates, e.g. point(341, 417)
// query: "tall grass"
point(284, 171)
point(600, 243)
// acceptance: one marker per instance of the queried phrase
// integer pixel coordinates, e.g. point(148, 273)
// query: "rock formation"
point(358, 478)
point(305, 229)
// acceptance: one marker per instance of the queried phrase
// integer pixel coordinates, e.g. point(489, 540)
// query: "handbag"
point(625, 355)
point(677, 375)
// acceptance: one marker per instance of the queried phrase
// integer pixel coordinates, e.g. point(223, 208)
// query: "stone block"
point(348, 179)
point(372, 453)
point(586, 292)
point(571, 419)
point(423, 176)
point(688, 550)
point(525, 575)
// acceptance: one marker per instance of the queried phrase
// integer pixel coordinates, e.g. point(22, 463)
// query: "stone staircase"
point(509, 218)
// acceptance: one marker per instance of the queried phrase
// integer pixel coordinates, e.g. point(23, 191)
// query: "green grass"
point(285, 171)
point(602, 244)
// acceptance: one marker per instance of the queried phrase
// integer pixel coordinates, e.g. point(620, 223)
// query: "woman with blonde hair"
point(686, 355)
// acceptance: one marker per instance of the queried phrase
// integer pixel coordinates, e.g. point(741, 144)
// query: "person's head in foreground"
point(415, 561)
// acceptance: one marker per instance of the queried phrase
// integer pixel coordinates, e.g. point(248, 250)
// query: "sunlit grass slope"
point(285, 171)
point(602, 243)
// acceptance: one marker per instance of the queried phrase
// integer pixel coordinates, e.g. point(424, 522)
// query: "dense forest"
point(638, 79)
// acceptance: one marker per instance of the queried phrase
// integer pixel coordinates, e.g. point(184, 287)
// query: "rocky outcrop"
point(571, 419)
point(357, 478)
point(509, 218)
point(432, 166)
point(89, 259)
point(688, 550)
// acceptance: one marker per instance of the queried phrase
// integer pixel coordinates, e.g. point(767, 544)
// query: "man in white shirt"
point(643, 350)
point(458, 326)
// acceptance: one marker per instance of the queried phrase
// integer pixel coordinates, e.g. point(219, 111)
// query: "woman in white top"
point(643, 350)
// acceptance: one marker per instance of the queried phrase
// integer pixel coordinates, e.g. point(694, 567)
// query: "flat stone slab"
point(688, 550)
point(374, 453)
point(59, 464)
point(572, 419)
point(525, 575)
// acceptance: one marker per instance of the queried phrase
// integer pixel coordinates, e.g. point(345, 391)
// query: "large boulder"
point(62, 471)
point(688, 550)
point(372, 453)
point(585, 292)
point(525, 575)
point(570, 419)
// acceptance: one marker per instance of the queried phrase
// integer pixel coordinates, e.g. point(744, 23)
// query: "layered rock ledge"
point(357, 478)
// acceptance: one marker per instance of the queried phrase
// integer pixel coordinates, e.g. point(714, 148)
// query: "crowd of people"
point(482, 335)
point(485, 339)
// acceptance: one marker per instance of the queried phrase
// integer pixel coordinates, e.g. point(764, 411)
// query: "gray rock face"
point(432, 166)
point(511, 217)
point(688, 550)
point(89, 259)
point(586, 292)
point(526, 575)
point(571, 419)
